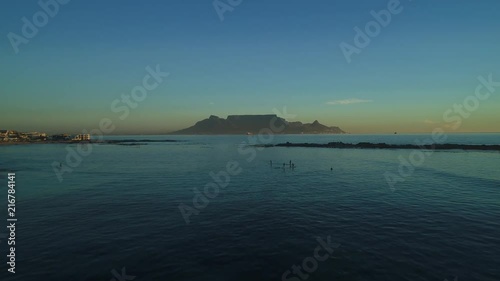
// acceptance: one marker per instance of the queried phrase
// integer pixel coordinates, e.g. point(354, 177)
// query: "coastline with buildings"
point(15, 137)
point(11, 137)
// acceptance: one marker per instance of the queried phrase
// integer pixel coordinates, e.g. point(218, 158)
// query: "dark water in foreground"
point(119, 208)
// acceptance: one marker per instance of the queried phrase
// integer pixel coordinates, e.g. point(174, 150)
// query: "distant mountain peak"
point(244, 124)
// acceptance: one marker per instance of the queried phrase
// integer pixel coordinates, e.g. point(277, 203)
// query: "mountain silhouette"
point(253, 124)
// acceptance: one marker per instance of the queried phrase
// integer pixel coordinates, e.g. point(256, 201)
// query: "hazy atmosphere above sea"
point(249, 59)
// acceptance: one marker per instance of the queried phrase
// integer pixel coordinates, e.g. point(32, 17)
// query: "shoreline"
point(116, 142)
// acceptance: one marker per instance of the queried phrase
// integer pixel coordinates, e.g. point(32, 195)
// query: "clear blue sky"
point(265, 54)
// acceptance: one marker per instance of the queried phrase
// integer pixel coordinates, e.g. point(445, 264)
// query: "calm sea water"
point(120, 209)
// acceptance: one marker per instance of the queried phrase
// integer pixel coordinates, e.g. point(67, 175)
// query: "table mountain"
point(252, 124)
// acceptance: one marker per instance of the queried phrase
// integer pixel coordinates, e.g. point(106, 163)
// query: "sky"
point(252, 58)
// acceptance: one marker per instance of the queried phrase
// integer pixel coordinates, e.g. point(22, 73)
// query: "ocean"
point(127, 212)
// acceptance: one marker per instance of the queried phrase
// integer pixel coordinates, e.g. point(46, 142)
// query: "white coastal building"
point(82, 137)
